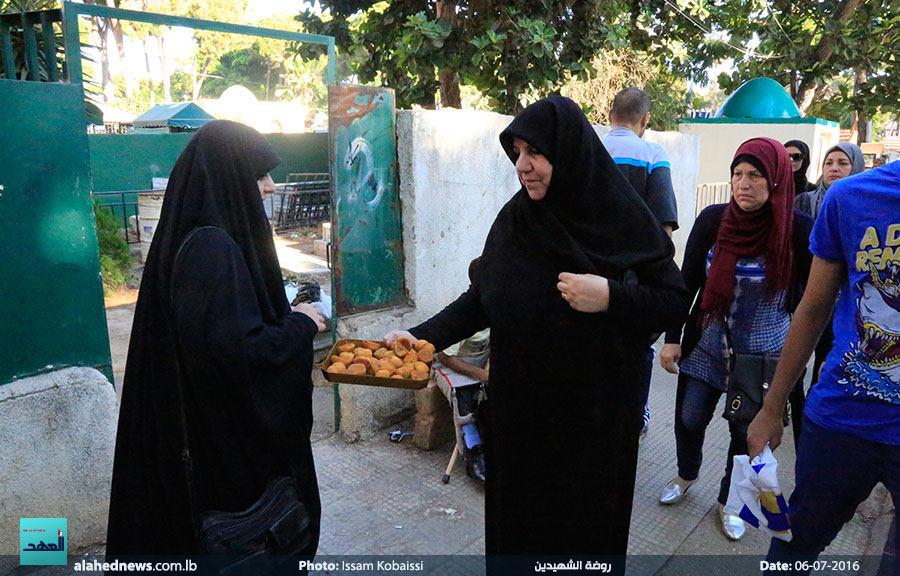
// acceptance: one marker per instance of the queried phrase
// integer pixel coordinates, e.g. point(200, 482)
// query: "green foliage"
point(8, 6)
point(513, 52)
point(246, 67)
point(304, 80)
point(115, 255)
point(614, 70)
point(817, 48)
point(141, 101)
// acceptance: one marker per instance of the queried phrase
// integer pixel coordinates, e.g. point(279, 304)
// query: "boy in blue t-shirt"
point(851, 428)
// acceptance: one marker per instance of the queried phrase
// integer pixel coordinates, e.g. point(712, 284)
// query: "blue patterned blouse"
point(758, 325)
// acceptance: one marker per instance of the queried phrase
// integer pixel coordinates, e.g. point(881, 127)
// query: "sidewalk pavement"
point(381, 498)
point(385, 498)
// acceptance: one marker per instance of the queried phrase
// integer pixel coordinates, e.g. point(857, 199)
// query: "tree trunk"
point(128, 78)
point(198, 85)
point(100, 28)
point(823, 51)
point(636, 39)
point(164, 66)
point(149, 74)
point(450, 96)
point(861, 116)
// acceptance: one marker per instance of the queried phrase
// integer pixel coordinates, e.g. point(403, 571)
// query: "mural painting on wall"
point(368, 251)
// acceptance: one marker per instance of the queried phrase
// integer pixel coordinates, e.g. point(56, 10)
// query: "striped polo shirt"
point(647, 168)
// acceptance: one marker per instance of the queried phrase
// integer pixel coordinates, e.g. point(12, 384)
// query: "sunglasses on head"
point(796, 157)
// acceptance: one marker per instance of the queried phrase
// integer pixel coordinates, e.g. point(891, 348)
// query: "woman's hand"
point(669, 357)
point(392, 337)
point(584, 292)
point(313, 313)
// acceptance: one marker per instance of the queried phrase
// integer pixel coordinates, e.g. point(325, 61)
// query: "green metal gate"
point(51, 298)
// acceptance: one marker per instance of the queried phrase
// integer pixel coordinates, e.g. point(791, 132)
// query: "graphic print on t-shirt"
point(872, 365)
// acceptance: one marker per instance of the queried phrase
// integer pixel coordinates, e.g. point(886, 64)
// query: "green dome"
point(759, 98)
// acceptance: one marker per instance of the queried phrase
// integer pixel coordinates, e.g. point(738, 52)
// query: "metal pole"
point(72, 42)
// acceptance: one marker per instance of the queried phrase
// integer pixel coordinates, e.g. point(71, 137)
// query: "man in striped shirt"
point(647, 168)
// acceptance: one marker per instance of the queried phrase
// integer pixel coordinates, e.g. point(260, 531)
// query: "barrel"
point(149, 209)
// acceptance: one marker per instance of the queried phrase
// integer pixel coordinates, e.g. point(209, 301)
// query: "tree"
point(245, 67)
point(618, 69)
point(145, 32)
point(211, 45)
point(512, 51)
point(837, 55)
point(270, 68)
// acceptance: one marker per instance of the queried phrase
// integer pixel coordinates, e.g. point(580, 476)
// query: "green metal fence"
point(37, 36)
point(39, 50)
point(71, 11)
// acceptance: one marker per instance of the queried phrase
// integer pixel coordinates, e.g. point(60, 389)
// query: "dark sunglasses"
point(796, 157)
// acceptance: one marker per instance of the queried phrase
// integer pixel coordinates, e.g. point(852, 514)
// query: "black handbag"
point(250, 540)
point(749, 377)
point(748, 381)
point(277, 523)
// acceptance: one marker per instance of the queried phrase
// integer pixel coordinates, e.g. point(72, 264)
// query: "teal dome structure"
point(759, 98)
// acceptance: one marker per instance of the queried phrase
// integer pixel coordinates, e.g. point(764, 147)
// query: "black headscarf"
point(213, 183)
point(590, 206)
point(801, 184)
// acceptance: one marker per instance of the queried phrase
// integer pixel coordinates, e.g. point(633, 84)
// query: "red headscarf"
point(750, 234)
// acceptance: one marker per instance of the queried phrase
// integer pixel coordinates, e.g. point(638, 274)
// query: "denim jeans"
point(835, 472)
point(695, 405)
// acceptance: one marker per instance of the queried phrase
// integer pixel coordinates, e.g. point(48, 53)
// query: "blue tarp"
point(183, 115)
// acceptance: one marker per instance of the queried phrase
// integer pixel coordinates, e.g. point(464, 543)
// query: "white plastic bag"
point(756, 497)
point(324, 305)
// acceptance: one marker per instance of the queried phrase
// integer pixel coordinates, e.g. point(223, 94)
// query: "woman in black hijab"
point(565, 414)
point(212, 317)
point(799, 153)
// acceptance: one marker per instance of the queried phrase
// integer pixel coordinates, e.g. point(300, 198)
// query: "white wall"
point(59, 432)
point(454, 178)
point(684, 155)
point(719, 141)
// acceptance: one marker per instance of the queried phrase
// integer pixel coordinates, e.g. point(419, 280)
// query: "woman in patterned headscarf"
point(748, 260)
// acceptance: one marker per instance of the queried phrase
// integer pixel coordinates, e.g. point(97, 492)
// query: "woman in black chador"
point(575, 275)
point(212, 315)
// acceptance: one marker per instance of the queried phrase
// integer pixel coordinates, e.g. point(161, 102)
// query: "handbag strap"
point(729, 343)
point(185, 447)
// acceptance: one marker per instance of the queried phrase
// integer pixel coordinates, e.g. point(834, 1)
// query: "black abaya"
point(216, 320)
point(565, 385)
